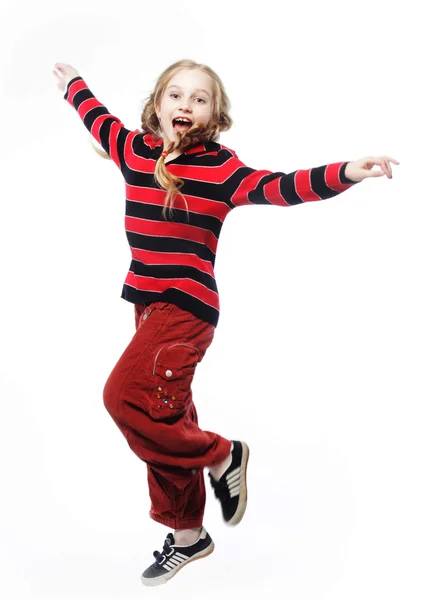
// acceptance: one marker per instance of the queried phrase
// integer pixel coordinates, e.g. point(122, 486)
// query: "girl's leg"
point(148, 394)
point(186, 537)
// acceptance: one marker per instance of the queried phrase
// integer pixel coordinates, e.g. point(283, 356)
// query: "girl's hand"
point(64, 75)
point(360, 169)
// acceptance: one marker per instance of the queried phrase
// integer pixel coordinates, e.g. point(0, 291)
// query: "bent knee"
point(111, 398)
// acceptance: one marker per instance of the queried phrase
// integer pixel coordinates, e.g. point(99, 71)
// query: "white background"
point(318, 357)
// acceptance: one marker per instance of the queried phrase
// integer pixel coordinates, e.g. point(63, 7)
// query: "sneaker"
point(231, 488)
point(173, 558)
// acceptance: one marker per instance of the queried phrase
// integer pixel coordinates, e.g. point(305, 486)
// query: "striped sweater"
point(173, 260)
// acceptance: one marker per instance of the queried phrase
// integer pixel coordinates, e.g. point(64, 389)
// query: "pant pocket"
point(172, 374)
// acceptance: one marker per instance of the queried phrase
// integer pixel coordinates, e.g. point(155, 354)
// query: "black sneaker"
point(173, 558)
point(231, 488)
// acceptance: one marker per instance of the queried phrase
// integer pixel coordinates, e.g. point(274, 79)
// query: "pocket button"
point(168, 373)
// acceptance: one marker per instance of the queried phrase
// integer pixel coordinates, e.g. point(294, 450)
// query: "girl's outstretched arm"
point(106, 129)
point(242, 185)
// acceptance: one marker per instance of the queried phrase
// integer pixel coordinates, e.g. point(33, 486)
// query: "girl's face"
point(188, 94)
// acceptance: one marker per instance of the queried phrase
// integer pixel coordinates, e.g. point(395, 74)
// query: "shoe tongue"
point(170, 537)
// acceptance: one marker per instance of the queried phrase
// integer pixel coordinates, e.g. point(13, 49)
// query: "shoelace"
point(220, 488)
point(159, 556)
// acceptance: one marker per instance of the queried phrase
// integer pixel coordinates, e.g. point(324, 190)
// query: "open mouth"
point(181, 124)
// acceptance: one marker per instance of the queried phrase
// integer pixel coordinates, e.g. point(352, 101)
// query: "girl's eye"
point(197, 98)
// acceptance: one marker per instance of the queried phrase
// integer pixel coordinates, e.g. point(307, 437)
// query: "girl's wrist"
point(348, 173)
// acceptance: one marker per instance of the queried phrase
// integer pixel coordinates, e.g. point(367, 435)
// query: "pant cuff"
point(224, 453)
point(177, 523)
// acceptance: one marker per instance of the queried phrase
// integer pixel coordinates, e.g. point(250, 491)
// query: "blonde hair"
point(220, 121)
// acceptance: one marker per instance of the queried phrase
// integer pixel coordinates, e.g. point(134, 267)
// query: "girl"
point(173, 240)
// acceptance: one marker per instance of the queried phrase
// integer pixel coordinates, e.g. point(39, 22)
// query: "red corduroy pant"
point(148, 395)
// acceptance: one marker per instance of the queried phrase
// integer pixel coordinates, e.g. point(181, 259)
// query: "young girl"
point(173, 240)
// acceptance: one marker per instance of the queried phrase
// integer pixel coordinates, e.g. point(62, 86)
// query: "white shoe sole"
point(243, 492)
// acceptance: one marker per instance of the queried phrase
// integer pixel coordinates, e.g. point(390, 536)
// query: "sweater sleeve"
point(242, 185)
point(107, 130)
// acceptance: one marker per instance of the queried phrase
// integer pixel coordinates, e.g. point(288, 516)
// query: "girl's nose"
point(184, 105)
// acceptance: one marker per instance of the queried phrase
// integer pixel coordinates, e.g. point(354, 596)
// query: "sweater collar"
point(156, 144)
